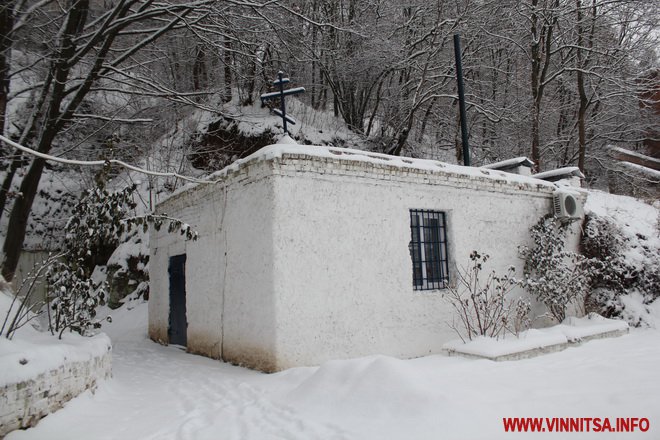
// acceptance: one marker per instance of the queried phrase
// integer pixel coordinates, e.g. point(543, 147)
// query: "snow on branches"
point(556, 277)
point(483, 306)
point(100, 222)
point(630, 265)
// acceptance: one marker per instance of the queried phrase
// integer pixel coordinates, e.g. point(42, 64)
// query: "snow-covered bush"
point(101, 221)
point(127, 270)
point(483, 306)
point(73, 298)
point(556, 277)
point(603, 240)
point(97, 224)
point(91, 234)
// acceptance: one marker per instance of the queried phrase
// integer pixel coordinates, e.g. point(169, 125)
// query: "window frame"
point(429, 249)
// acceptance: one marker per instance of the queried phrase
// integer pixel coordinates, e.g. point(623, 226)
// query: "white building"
point(307, 254)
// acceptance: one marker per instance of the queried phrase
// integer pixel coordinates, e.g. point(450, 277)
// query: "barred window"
point(428, 249)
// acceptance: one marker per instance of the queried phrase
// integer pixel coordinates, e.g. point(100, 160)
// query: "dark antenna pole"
point(461, 100)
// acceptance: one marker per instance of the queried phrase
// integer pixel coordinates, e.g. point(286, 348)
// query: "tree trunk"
point(425, 120)
point(6, 183)
point(375, 109)
point(227, 62)
point(199, 70)
point(335, 105)
point(60, 70)
point(403, 135)
point(19, 217)
point(536, 92)
point(249, 82)
point(536, 122)
point(541, 50)
point(583, 62)
point(6, 24)
point(582, 111)
point(313, 99)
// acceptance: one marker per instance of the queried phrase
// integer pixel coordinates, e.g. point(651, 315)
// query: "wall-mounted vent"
point(566, 205)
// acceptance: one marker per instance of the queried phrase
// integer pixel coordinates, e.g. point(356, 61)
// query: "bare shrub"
point(482, 304)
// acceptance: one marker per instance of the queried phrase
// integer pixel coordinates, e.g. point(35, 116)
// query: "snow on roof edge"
point(634, 154)
point(642, 169)
point(276, 151)
point(522, 160)
point(565, 171)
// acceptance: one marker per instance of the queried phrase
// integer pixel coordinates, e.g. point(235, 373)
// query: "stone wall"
point(24, 403)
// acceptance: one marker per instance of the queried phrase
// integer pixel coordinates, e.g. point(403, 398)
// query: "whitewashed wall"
point(230, 303)
point(302, 259)
point(343, 271)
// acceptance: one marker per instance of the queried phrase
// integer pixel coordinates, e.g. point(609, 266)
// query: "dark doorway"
point(177, 331)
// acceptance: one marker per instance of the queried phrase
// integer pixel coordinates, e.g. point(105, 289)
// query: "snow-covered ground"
point(34, 352)
point(164, 393)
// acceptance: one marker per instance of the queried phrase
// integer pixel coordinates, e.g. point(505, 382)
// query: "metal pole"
point(282, 107)
point(461, 100)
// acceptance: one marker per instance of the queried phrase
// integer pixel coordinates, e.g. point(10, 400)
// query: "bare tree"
point(6, 22)
point(96, 48)
point(555, 79)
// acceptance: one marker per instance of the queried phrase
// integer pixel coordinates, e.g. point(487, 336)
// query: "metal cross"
point(281, 112)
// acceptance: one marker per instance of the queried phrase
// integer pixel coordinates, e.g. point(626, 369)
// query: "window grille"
point(428, 249)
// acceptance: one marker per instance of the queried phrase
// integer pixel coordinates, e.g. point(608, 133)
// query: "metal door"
point(177, 331)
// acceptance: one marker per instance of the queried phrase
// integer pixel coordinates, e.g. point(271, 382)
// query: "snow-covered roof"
point(510, 163)
point(648, 161)
point(642, 169)
point(277, 151)
point(559, 173)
